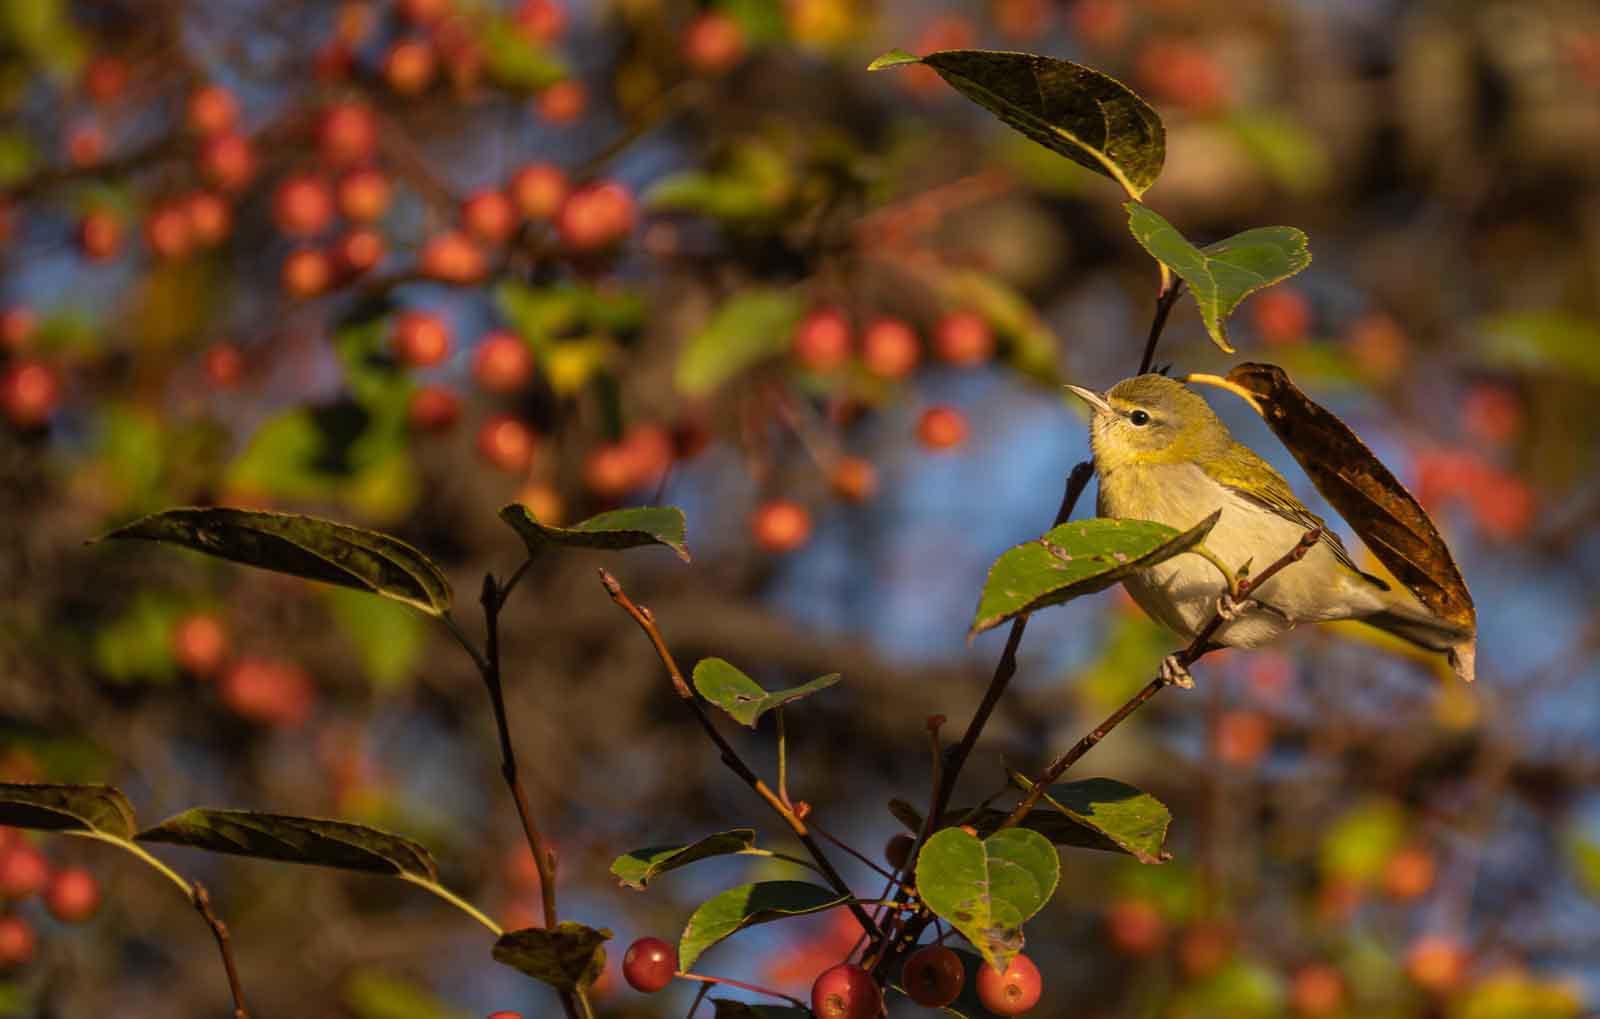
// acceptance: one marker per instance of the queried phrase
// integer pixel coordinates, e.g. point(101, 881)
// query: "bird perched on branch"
point(1162, 454)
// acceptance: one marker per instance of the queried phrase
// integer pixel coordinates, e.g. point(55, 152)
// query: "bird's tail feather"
point(1410, 621)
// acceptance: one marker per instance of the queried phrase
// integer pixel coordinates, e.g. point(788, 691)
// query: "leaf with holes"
point(1091, 118)
point(987, 888)
point(636, 869)
point(1221, 275)
point(302, 546)
point(47, 807)
point(742, 697)
point(1130, 819)
point(746, 906)
point(293, 839)
point(1075, 559)
point(624, 528)
point(567, 958)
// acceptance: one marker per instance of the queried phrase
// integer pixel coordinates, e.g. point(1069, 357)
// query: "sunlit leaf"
point(988, 888)
point(292, 839)
point(617, 529)
point(1074, 559)
point(747, 905)
point(636, 869)
point(303, 546)
point(749, 328)
point(568, 957)
point(48, 807)
point(742, 697)
point(1130, 819)
point(1221, 275)
point(1092, 119)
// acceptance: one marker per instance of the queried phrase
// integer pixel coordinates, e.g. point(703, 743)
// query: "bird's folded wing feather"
point(1249, 476)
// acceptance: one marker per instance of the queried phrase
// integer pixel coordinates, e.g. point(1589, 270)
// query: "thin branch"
point(713, 981)
point(811, 822)
point(1198, 648)
point(1168, 296)
point(730, 756)
point(202, 902)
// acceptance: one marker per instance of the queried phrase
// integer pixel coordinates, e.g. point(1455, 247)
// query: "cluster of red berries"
point(71, 894)
point(267, 691)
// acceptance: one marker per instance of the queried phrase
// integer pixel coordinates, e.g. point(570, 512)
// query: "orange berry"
point(781, 525)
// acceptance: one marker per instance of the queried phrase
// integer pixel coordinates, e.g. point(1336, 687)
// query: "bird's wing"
point(1247, 475)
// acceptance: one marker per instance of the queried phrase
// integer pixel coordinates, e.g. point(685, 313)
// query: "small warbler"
point(1162, 454)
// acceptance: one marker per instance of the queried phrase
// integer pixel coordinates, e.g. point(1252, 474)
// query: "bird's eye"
point(1139, 417)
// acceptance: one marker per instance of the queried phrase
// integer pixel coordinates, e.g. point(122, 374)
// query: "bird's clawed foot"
point(1175, 673)
point(1229, 608)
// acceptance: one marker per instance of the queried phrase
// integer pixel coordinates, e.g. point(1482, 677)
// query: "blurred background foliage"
point(401, 263)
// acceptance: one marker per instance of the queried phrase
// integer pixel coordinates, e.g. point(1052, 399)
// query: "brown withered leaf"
point(1386, 516)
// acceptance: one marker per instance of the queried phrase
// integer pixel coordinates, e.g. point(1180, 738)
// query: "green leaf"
point(741, 697)
point(1091, 118)
point(747, 905)
point(514, 60)
point(1059, 828)
point(303, 546)
point(1079, 557)
point(566, 958)
point(727, 1008)
point(48, 807)
point(636, 869)
point(1225, 273)
point(1358, 845)
point(372, 994)
point(624, 528)
point(389, 639)
point(987, 888)
point(1131, 820)
point(291, 839)
point(1544, 342)
point(1584, 855)
point(749, 328)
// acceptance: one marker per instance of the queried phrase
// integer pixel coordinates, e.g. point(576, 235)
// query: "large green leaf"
point(1061, 829)
point(636, 869)
point(45, 807)
point(1130, 819)
point(747, 905)
point(1221, 275)
point(293, 839)
point(749, 328)
point(623, 528)
point(1091, 118)
point(1077, 558)
point(987, 888)
point(742, 697)
point(566, 958)
point(303, 546)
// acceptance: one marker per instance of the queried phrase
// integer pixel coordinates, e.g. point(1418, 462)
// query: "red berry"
point(210, 218)
point(1436, 963)
point(363, 195)
point(822, 340)
point(608, 471)
point(303, 206)
point(1136, 927)
point(86, 144)
point(563, 102)
point(1318, 990)
point(1205, 948)
point(507, 443)
point(489, 216)
point(846, 992)
point(502, 363)
point(100, 235)
point(1409, 873)
point(73, 895)
point(1282, 316)
point(105, 79)
point(453, 257)
point(889, 349)
point(898, 851)
point(942, 428)
point(541, 20)
point(1012, 992)
point(360, 251)
point(307, 272)
point(505, 1015)
point(23, 871)
point(781, 525)
point(595, 217)
point(1242, 737)
point(538, 190)
point(228, 161)
point(543, 501)
point(16, 327)
point(29, 392)
point(853, 479)
point(963, 338)
point(420, 339)
point(409, 66)
point(269, 692)
point(713, 43)
point(17, 942)
point(167, 231)
point(433, 409)
point(933, 976)
point(649, 965)
point(347, 134)
point(212, 110)
point(200, 644)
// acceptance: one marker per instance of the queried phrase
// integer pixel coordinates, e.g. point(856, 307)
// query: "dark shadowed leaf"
point(749, 328)
point(1077, 558)
point(624, 528)
point(296, 840)
point(741, 697)
point(746, 906)
point(1221, 275)
point(97, 808)
point(1132, 820)
point(303, 546)
point(987, 888)
point(1092, 119)
point(568, 957)
point(636, 869)
point(727, 1008)
point(1367, 494)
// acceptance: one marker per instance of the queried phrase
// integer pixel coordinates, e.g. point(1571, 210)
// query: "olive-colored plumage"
point(1162, 454)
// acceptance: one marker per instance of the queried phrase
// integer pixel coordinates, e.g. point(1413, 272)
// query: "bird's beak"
point(1092, 398)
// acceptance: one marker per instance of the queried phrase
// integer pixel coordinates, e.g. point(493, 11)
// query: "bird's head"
point(1151, 419)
